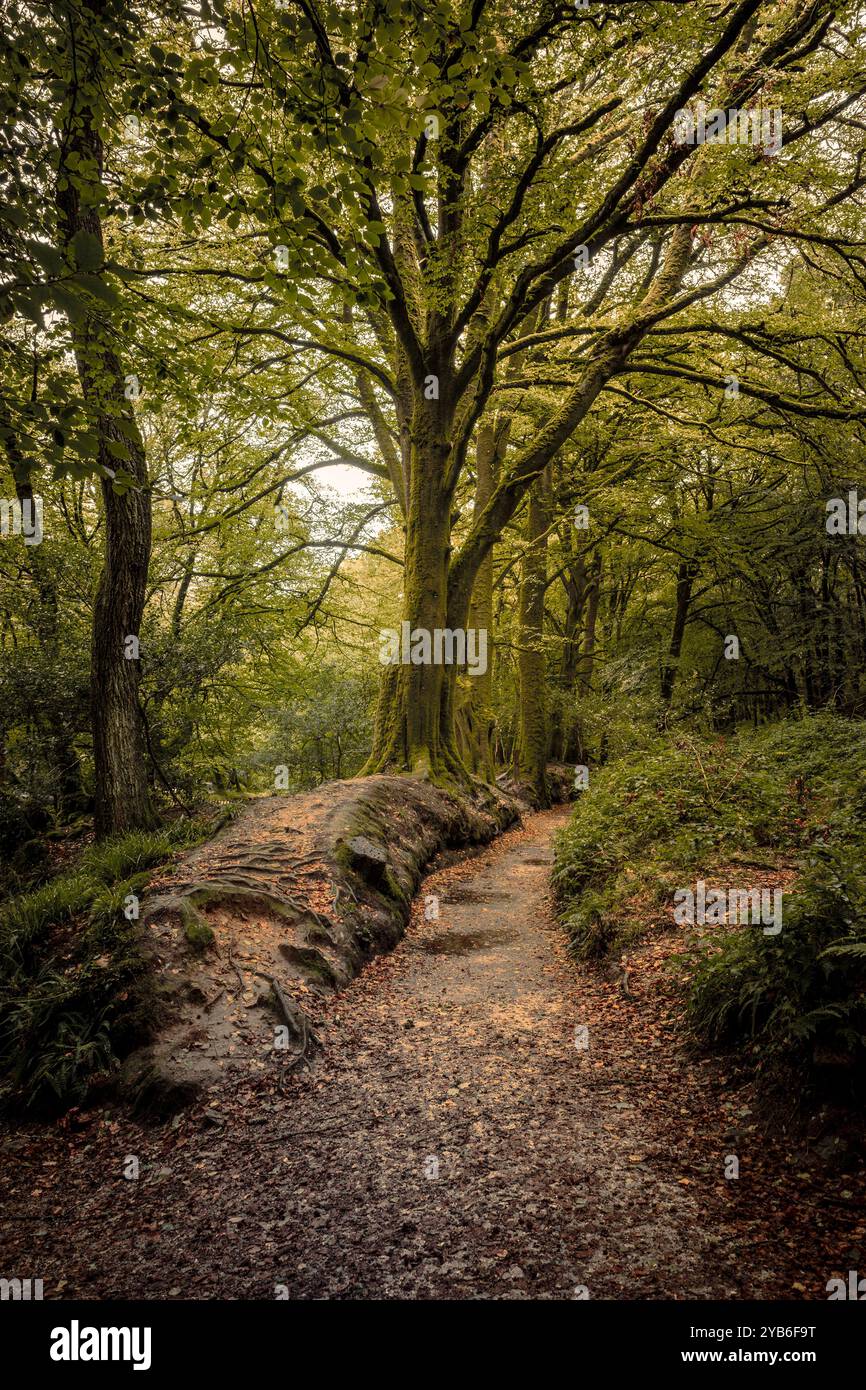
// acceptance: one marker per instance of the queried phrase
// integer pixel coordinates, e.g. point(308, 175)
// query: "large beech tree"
point(440, 173)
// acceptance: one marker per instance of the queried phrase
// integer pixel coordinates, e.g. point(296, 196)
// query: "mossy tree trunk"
point(122, 800)
point(475, 714)
point(569, 740)
point(585, 659)
point(531, 748)
point(414, 725)
point(416, 717)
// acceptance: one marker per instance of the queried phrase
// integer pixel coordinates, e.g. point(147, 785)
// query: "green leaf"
point(68, 303)
point(87, 250)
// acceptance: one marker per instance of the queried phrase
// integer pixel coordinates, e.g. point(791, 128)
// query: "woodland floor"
point(558, 1167)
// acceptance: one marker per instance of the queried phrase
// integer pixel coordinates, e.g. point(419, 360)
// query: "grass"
point(75, 992)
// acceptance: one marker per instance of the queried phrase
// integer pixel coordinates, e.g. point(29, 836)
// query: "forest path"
point(462, 1146)
point(474, 1156)
point(451, 1142)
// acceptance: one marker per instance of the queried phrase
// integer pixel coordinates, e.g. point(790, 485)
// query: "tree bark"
point(570, 741)
point(686, 574)
point(121, 793)
point(438, 589)
point(476, 723)
point(531, 749)
point(414, 728)
point(586, 660)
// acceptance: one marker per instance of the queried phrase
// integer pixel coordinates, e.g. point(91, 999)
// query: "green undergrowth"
point(791, 795)
point(798, 999)
point(75, 994)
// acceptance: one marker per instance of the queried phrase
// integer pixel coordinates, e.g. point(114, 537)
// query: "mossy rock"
point(393, 887)
point(311, 964)
point(368, 859)
point(197, 931)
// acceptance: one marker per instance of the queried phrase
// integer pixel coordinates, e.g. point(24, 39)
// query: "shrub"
point(796, 1000)
point(799, 999)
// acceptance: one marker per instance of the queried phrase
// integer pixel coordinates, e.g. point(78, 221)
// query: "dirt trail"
point(451, 1142)
point(448, 1145)
point(472, 1160)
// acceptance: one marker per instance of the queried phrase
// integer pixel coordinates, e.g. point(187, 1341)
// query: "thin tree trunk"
point(571, 743)
point(531, 752)
point(686, 574)
point(122, 801)
point(477, 722)
point(586, 660)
